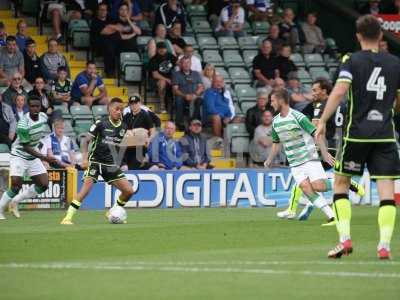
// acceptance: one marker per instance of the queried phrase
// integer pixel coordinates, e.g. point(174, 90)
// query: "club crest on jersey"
point(92, 172)
point(122, 132)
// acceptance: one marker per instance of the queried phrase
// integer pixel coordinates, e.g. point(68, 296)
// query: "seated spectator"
point(19, 107)
point(290, 30)
point(254, 114)
point(231, 20)
point(61, 88)
point(11, 61)
point(284, 64)
point(265, 65)
point(195, 151)
point(41, 93)
point(170, 12)
point(161, 36)
point(208, 75)
point(175, 37)
point(147, 8)
point(261, 145)
point(218, 106)
point(99, 22)
point(314, 40)
point(299, 96)
point(52, 60)
point(120, 37)
point(60, 146)
point(275, 39)
point(85, 84)
point(22, 35)
point(214, 9)
point(188, 51)
point(137, 117)
point(31, 62)
point(372, 7)
point(135, 12)
point(187, 88)
point(14, 89)
point(8, 124)
point(3, 35)
point(258, 9)
point(164, 152)
point(161, 67)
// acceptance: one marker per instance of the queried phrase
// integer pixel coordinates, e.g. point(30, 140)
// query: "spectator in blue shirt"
point(85, 85)
point(3, 34)
point(21, 35)
point(218, 105)
point(164, 152)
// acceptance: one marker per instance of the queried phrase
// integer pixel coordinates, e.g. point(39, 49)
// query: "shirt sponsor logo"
point(375, 116)
point(352, 166)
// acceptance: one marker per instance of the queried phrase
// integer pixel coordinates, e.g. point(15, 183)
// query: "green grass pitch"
point(191, 254)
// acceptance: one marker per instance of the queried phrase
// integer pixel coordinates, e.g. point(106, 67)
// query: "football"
point(117, 215)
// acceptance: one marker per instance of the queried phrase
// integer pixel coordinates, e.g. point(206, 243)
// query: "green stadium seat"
point(213, 57)
point(248, 56)
point(99, 111)
point(318, 72)
point(142, 42)
point(64, 111)
point(331, 43)
point(304, 76)
point(4, 148)
point(247, 43)
point(207, 43)
point(314, 60)
point(227, 43)
point(232, 58)
point(238, 136)
point(81, 113)
point(260, 27)
point(330, 61)
point(191, 41)
point(240, 144)
point(131, 67)
point(247, 28)
point(238, 110)
point(246, 105)
point(201, 26)
point(239, 76)
point(245, 92)
point(332, 73)
point(82, 127)
point(196, 10)
point(298, 60)
point(79, 33)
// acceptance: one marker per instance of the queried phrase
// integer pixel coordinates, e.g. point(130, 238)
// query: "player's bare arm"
point(276, 147)
point(30, 150)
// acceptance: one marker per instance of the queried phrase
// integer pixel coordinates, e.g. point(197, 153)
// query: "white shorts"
point(312, 170)
point(20, 167)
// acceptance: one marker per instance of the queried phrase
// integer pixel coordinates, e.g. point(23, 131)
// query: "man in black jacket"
point(254, 114)
point(170, 12)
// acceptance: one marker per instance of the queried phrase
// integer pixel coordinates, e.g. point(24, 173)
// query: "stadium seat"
point(246, 105)
point(330, 61)
point(232, 58)
point(4, 148)
point(240, 144)
point(142, 42)
point(298, 60)
point(213, 57)
point(79, 34)
point(6, 14)
point(191, 41)
point(81, 113)
point(196, 10)
point(64, 111)
point(225, 163)
point(239, 75)
point(248, 57)
point(99, 111)
point(260, 27)
point(131, 67)
point(247, 43)
point(201, 26)
point(30, 7)
point(82, 126)
point(304, 76)
point(245, 92)
point(314, 60)
point(331, 43)
point(207, 43)
point(238, 110)
point(235, 129)
point(247, 28)
point(333, 73)
point(318, 72)
point(227, 43)
point(40, 39)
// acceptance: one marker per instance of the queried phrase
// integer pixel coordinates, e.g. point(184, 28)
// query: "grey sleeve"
point(10, 114)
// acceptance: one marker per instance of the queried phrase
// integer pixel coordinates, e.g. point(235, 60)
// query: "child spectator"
point(61, 87)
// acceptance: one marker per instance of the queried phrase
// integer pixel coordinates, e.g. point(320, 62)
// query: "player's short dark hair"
point(90, 62)
point(281, 94)
point(368, 27)
point(11, 38)
point(324, 84)
point(33, 98)
point(116, 100)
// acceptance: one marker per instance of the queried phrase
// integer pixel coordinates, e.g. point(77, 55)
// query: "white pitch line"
point(82, 266)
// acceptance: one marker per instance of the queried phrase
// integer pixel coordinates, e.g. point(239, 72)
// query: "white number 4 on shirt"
point(376, 83)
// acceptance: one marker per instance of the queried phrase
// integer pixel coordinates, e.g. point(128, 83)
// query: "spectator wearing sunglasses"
point(14, 89)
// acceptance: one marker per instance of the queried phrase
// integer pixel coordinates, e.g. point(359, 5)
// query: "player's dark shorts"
point(381, 159)
point(109, 173)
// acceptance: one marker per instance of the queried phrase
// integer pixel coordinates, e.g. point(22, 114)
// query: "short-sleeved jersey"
point(29, 132)
point(295, 132)
point(83, 80)
point(375, 81)
point(106, 139)
point(62, 88)
point(335, 121)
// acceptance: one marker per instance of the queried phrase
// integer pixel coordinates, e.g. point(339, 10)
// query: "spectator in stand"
point(156, 120)
point(314, 39)
point(187, 88)
point(19, 107)
point(96, 28)
point(218, 106)
point(52, 60)
point(161, 36)
point(393, 8)
point(299, 96)
point(135, 11)
point(61, 88)
point(135, 118)
point(254, 114)
point(284, 64)
point(31, 62)
point(147, 9)
point(41, 93)
point(214, 9)
point(258, 9)
point(188, 51)
point(164, 152)
point(60, 146)
point(14, 89)
point(265, 65)
point(231, 20)
point(11, 60)
point(372, 7)
point(170, 12)
point(175, 37)
point(290, 30)
point(195, 150)
point(208, 75)
point(261, 145)
point(120, 37)
point(383, 46)
point(21, 36)
point(161, 67)
point(8, 124)
point(3, 35)
point(275, 39)
point(85, 84)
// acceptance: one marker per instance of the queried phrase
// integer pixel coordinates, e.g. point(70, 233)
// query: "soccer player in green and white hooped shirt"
point(295, 132)
point(26, 159)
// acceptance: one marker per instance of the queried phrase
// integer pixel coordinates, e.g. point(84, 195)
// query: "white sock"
point(4, 201)
point(323, 205)
point(304, 200)
point(28, 193)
